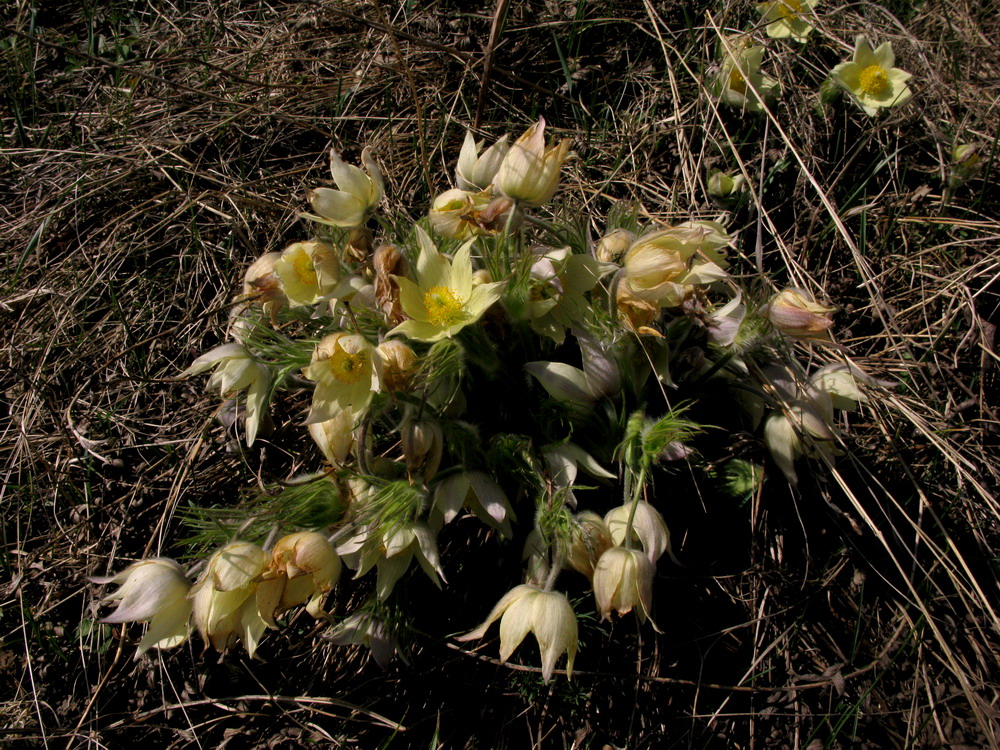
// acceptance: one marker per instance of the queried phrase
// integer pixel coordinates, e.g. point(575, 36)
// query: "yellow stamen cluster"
point(737, 82)
point(873, 80)
point(346, 367)
point(304, 268)
point(444, 308)
point(790, 9)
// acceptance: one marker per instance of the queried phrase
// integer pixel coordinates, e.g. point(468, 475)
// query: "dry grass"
point(150, 153)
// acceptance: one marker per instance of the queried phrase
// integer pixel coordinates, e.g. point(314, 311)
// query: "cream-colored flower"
point(391, 553)
point(788, 19)
point(359, 193)
point(422, 443)
point(623, 579)
point(559, 279)
point(477, 492)
point(229, 601)
point(870, 78)
point(796, 313)
point(309, 272)
point(589, 539)
point(361, 628)
point(648, 527)
point(347, 372)
point(335, 437)
point(530, 171)
point(236, 369)
point(455, 213)
point(527, 609)
point(308, 567)
point(662, 267)
point(153, 591)
point(476, 171)
point(444, 300)
point(802, 430)
point(740, 83)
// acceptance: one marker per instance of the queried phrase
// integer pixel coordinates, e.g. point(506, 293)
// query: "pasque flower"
point(662, 267)
point(648, 527)
point(309, 271)
point(740, 83)
point(307, 568)
point(788, 19)
point(359, 192)
point(346, 371)
point(443, 300)
point(796, 313)
point(529, 172)
point(236, 369)
point(871, 78)
point(623, 579)
point(229, 600)
point(476, 171)
point(153, 591)
point(528, 609)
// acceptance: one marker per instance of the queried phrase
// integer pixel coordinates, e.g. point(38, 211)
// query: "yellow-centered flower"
point(444, 300)
point(871, 79)
point(740, 83)
point(346, 371)
point(788, 19)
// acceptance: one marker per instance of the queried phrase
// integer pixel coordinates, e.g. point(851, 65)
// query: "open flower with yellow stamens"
point(346, 371)
point(871, 79)
point(444, 300)
point(740, 83)
point(788, 19)
point(308, 271)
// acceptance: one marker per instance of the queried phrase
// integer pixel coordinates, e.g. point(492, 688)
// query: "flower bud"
point(399, 365)
point(612, 246)
point(795, 313)
point(589, 539)
point(530, 171)
point(623, 579)
point(722, 188)
point(335, 437)
point(262, 285)
point(423, 444)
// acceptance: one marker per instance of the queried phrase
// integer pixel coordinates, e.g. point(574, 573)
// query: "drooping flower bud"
point(623, 579)
point(589, 539)
point(795, 313)
point(422, 443)
point(648, 527)
point(612, 246)
point(399, 365)
point(388, 261)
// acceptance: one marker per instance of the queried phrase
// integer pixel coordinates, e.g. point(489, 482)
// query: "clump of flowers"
point(495, 370)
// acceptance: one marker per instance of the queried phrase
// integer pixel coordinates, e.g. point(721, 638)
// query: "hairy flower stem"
point(636, 490)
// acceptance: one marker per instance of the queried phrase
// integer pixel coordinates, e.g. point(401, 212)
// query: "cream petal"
point(516, 623)
point(336, 207)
